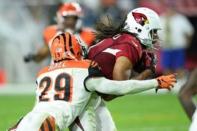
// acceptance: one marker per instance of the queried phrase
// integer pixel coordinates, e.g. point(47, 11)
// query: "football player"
point(122, 50)
point(186, 95)
point(69, 19)
point(65, 87)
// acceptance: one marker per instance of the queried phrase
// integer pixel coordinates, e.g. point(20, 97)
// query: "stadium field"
point(140, 112)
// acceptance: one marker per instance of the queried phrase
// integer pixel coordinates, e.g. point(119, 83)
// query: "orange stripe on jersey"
point(88, 36)
point(48, 124)
point(42, 127)
point(46, 128)
point(51, 123)
point(65, 64)
point(49, 32)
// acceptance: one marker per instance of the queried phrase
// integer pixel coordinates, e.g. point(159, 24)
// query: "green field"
point(130, 113)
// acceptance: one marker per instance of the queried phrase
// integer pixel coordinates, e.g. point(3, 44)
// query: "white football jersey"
point(63, 84)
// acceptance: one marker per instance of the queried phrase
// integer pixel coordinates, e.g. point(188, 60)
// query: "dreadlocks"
point(106, 28)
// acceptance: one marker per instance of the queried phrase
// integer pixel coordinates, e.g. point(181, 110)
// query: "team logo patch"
point(140, 18)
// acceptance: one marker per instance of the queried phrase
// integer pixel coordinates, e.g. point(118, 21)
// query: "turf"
point(130, 113)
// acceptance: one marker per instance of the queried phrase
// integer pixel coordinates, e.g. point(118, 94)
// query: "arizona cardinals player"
point(122, 50)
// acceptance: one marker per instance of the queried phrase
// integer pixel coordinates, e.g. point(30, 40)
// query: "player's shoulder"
point(50, 28)
point(43, 71)
point(127, 38)
point(82, 64)
point(87, 30)
point(49, 32)
point(88, 35)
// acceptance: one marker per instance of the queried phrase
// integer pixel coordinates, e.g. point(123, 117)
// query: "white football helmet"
point(143, 22)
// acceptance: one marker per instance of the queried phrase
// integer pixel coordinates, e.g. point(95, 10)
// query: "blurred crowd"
point(22, 23)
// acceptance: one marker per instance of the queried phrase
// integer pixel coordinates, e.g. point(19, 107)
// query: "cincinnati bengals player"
point(122, 50)
point(69, 19)
point(65, 87)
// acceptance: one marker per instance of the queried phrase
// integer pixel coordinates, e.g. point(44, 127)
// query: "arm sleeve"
point(106, 86)
point(128, 51)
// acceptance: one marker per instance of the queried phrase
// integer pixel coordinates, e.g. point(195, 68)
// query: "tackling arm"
point(103, 85)
point(106, 86)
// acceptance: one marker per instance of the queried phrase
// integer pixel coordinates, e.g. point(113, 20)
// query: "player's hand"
point(28, 58)
point(147, 61)
point(166, 82)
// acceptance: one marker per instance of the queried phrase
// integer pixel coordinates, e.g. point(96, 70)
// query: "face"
point(70, 22)
point(154, 35)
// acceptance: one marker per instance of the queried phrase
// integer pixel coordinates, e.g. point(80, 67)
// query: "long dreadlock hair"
point(106, 28)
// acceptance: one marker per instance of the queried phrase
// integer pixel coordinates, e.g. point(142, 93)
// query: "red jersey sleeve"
point(128, 51)
point(129, 47)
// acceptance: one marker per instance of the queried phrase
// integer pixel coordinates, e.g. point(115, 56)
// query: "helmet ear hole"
point(139, 30)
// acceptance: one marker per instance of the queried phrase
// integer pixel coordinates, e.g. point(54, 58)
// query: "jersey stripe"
point(66, 64)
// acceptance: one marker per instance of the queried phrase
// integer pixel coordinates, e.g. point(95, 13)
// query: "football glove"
point(28, 58)
point(166, 82)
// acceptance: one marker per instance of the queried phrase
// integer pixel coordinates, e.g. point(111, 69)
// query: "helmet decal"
point(65, 46)
point(140, 18)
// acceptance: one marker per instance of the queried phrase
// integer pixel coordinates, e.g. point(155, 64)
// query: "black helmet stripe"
point(64, 38)
point(70, 44)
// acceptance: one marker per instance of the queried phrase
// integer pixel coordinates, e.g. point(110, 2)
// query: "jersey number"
point(62, 87)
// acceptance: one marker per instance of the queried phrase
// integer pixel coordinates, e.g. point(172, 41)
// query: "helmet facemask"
point(153, 41)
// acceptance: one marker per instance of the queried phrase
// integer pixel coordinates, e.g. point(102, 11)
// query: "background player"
point(69, 19)
point(65, 87)
point(186, 95)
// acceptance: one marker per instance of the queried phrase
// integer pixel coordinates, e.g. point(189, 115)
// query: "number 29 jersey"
point(61, 92)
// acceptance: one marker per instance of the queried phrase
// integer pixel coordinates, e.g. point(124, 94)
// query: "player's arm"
point(129, 56)
point(121, 71)
point(147, 64)
point(42, 53)
point(122, 68)
point(187, 92)
point(106, 86)
point(143, 75)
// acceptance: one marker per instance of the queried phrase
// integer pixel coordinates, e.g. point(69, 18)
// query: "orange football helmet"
point(68, 9)
point(65, 47)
